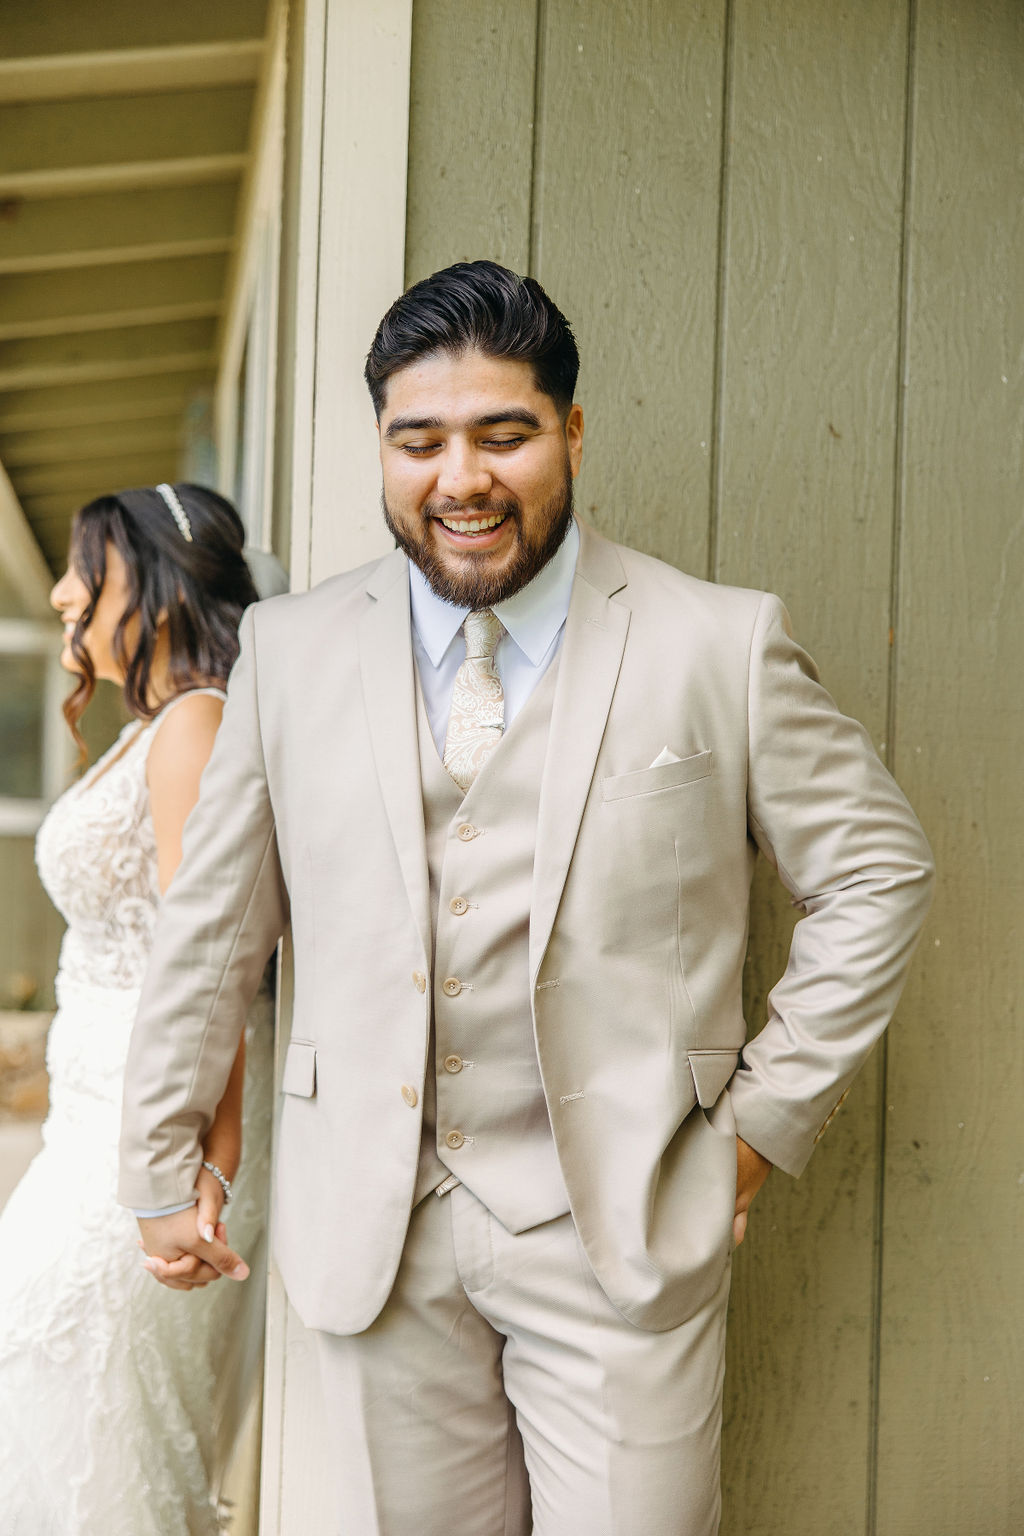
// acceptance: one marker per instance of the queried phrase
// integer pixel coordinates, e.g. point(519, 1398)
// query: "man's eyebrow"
point(414, 424)
point(514, 413)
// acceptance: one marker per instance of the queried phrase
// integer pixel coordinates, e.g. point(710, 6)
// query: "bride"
point(120, 1398)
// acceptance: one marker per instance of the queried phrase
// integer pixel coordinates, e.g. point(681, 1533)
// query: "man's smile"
point(474, 524)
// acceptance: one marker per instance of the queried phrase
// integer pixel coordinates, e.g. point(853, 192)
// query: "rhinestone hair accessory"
point(176, 510)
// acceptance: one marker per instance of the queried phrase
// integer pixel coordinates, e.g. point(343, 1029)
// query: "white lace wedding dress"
point(119, 1398)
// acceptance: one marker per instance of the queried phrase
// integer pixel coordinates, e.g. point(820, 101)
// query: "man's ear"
point(574, 437)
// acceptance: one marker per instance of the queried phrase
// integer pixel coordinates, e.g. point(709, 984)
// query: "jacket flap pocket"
point(711, 1073)
point(647, 781)
point(300, 1069)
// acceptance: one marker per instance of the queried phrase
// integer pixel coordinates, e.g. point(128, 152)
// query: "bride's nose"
point(61, 591)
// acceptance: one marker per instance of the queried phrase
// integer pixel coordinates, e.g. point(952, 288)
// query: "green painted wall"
point(786, 233)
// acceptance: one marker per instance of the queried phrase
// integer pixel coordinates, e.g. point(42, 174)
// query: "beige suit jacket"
point(311, 808)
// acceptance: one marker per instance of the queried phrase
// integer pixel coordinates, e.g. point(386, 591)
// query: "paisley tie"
point(477, 716)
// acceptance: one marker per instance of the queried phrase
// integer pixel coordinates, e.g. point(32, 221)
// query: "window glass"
point(22, 704)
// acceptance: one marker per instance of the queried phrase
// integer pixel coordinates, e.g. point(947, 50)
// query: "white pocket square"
point(665, 756)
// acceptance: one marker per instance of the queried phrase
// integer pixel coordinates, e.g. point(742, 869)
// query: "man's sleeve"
point(218, 924)
point(852, 855)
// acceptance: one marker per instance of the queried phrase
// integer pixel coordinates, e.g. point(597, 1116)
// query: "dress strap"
point(190, 693)
point(148, 732)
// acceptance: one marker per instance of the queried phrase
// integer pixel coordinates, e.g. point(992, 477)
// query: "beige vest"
point(484, 1114)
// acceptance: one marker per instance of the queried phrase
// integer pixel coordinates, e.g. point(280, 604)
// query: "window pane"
point(22, 695)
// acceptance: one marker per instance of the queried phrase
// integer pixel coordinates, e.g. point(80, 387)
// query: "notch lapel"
point(588, 670)
point(389, 695)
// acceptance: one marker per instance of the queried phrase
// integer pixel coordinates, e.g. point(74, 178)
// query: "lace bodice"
point(96, 855)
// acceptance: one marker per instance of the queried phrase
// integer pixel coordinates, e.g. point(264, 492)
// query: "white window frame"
point(21, 817)
point(250, 331)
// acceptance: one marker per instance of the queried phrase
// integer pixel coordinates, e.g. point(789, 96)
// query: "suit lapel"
point(588, 669)
point(389, 692)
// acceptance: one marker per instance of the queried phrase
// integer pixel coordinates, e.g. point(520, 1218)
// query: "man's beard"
point(462, 578)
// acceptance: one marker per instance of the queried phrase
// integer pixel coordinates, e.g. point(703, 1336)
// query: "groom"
point(508, 785)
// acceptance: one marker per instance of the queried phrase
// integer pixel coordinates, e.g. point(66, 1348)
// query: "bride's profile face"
point(70, 597)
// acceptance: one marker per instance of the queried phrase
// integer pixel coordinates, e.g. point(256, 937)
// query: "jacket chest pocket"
point(657, 781)
point(638, 822)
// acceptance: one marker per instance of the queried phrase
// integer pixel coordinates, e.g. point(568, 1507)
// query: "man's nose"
point(462, 474)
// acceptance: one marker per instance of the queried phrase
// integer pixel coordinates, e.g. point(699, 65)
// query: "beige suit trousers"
point(499, 1393)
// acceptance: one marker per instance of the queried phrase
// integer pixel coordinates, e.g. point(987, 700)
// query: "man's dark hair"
point(476, 305)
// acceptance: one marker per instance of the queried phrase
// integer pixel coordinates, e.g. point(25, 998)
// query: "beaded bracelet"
point(222, 1180)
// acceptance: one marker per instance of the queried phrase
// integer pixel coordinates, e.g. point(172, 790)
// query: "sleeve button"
point(419, 981)
point(410, 1095)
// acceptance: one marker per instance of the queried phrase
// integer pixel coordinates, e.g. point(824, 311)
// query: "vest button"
point(454, 1139)
point(458, 905)
point(419, 981)
point(451, 987)
point(466, 831)
point(453, 1063)
point(410, 1095)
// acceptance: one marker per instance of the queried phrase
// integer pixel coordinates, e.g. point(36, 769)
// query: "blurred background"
point(128, 136)
point(788, 235)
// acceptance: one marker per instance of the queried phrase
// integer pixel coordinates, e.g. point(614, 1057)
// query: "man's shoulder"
point(332, 600)
point(650, 581)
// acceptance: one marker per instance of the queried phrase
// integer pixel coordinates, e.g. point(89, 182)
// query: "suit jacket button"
point(454, 1139)
point(451, 987)
point(410, 1095)
point(453, 1063)
point(466, 831)
point(458, 905)
point(419, 981)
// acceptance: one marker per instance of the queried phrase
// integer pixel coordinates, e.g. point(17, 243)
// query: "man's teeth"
point(474, 525)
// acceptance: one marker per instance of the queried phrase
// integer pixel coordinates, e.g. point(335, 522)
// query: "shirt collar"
point(532, 616)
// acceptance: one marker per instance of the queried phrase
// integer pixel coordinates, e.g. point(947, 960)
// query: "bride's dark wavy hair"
point(201, 586)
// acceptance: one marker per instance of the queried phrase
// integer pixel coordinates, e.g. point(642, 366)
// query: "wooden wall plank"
point(470, 134)
point(63, 298)
point(68, 26)
point(152, 215)
point(625, 240)
point(804, 493)
point(951, 1422)
point(110, 130)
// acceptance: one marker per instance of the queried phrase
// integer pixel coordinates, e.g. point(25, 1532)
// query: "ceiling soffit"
point(125, 133)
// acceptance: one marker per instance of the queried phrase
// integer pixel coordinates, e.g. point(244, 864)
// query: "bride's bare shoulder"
point(183, 737)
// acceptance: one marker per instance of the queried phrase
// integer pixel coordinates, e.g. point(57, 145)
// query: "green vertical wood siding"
point(787, 235)
point(951, 1389)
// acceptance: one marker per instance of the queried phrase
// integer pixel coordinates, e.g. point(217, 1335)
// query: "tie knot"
point(483, 630)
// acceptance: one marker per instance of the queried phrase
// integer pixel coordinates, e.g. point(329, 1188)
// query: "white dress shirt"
point(534, 621)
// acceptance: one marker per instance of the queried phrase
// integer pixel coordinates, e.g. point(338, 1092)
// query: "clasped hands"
point(189, 1249)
